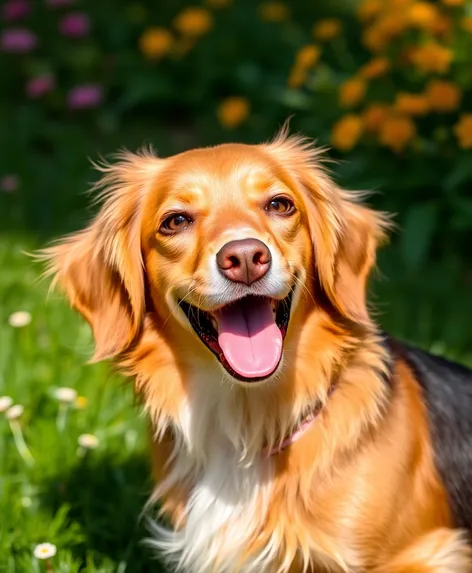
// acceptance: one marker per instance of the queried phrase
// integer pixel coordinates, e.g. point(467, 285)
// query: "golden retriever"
point(289, 433)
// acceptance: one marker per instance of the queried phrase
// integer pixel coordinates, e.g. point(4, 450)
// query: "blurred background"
point(385, 84)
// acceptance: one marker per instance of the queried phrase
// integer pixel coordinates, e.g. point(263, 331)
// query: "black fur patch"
point(447, 389)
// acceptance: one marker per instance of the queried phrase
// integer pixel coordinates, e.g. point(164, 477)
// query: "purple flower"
point(9, 183)
point(85, 96)
point(59, 3)
point(39, 86)
point(15, 10)
point(17, 40)
point(75, 25)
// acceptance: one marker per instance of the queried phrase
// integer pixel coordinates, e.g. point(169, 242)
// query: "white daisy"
point(19, 319)
point(65, 395)
point(88, 441)
point(5, 403)
point(44, 551)
point(14, 412)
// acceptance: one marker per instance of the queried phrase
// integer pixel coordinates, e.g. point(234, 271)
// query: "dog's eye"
point(280, 206)
point(175, 223)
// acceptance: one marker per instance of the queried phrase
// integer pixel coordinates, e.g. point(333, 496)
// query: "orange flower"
point(443, 96)
point(369, 9)
point(432, 57)
point(378, 36)
point(274, 11)
point(347, 132)
point(423, 15)
point(193, 22)
point(297, 77)
point(443, 25)
point(374, 116)
point(411, 104)
point(396, 132)
point(327, 29)
point(375, 68)
point(466, 24)
point(374, 39)
point(308, 56)
point(233, 111)
point(155, 42)
point(463, 131)
point(352, 92)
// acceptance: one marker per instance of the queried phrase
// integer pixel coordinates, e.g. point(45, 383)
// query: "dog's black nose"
point(245, 261)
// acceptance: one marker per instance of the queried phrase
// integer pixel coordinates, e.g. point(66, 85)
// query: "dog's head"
point(225, 247)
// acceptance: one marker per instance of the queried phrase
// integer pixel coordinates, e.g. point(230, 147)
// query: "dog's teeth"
point(213, 322)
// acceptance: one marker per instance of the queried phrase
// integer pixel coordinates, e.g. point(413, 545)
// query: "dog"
point(289, 433)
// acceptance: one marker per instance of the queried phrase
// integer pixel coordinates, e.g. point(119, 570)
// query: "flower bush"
point(385, 83)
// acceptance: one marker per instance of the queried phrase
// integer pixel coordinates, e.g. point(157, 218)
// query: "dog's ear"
point(101, 268)
point(345, 234)
point(362, 230)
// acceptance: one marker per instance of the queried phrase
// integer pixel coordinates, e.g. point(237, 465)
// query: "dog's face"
point(224, 244)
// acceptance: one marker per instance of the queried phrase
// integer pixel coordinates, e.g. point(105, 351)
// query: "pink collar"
point(302, 428)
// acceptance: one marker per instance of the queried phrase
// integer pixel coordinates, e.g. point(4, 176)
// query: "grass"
point(89, 506)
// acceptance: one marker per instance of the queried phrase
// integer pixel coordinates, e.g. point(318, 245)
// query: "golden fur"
point(359, 491)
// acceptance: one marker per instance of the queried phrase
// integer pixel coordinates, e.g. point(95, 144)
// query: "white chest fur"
point(230, 492)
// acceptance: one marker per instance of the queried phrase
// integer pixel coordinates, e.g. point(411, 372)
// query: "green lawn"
point(89, 505)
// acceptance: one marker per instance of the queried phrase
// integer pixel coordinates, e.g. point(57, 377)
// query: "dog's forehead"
point(220, 174)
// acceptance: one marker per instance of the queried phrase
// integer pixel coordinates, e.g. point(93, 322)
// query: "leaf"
point(461, 173)
point(418, 230)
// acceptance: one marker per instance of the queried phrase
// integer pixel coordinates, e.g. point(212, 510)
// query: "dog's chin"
point(246, 336)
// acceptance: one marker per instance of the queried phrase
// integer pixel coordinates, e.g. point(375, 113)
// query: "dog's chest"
point(224, 515)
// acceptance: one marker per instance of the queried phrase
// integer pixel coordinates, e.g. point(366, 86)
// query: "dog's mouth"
point(246, 335)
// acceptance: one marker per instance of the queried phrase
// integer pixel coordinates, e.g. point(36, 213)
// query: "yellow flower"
point(193, 22)
point(396, 132)
point(80, 402)
point(422, 15)
point(327, 29)
point(453, 2)
point(383, 30)
point(411, 104)
point(155, 43)
point(375, 68)
point(217, 4)
point(233, 111)
point(308, 56)
point(374, 39)
point(274, 11)
point(463, 131)
point(394, 24)
point(374, 116)
point(369, 9)
point(443, 95)
point(352, 92)
point(347, 132)
point(443, 25)
point(466, 24)
point(297, 77)
point(432, 57)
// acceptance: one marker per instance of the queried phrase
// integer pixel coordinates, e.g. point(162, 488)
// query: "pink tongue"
point(249, 337)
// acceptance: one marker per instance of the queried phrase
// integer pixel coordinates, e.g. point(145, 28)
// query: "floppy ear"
point(344, 234)
point(361, 233)
point(100, 268)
